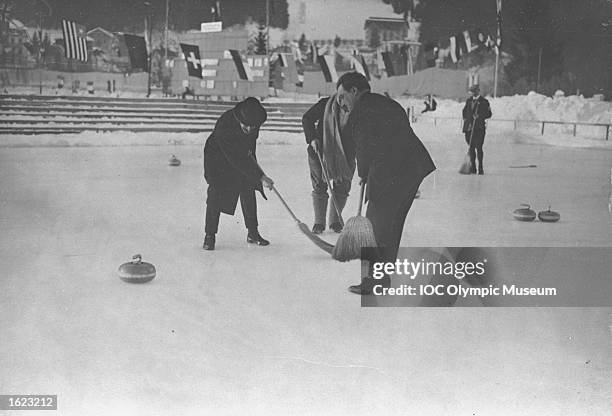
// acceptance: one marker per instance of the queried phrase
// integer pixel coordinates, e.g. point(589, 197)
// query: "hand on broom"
point(267, 182)
point(315, 146)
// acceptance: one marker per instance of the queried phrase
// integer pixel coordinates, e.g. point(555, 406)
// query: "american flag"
point(75, 40)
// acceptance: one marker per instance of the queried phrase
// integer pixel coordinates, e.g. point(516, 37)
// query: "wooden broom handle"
point(285, 204)
point(361, 193)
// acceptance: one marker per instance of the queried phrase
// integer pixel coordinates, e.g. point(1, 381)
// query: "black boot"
point(209, 242)
point(253, 237)
point(367, 285)
point(318, 228)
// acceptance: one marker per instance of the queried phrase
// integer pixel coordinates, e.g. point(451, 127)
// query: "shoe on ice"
point(481, 171)
point(318, 228)
point(336, 227)
point(209, 242)
point(367, 285)
point(254, 238)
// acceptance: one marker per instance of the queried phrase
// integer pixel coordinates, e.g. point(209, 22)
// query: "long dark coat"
point(389, 154)
point(230, 163)
point(479, 107)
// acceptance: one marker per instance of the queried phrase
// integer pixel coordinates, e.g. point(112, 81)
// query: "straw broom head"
point(357, 234)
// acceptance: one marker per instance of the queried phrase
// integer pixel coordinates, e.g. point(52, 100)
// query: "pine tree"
point(261, 41)
point(303, 44)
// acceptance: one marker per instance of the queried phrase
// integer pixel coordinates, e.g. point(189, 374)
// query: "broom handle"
point(285, 204)
point(361, 192)
point(333, 198)
point(277, 194)
point(473, 123)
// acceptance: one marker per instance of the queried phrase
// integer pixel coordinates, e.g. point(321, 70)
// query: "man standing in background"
point(475, 112)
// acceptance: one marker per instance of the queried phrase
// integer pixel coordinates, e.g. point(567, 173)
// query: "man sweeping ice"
point(331, 159)
point(391, 160)
point(232, 172)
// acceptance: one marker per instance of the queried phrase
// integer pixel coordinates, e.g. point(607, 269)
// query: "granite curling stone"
point(549, 216)
point(524, 214)
point(174, 161)
point(136, 271)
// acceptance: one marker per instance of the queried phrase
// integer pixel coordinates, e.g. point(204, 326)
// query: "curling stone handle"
point(526, 205)
point(136, 259)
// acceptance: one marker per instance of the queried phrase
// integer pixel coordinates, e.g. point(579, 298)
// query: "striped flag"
point(243, 68)
point(360, 66)
point(386, 56)
point(328, 68)
point(75, 40)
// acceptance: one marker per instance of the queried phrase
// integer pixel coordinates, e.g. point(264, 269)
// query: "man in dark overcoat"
point(231, 169)
point(475, 112)
point(390, 159)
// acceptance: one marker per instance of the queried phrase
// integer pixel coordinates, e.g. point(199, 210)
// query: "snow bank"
point(528, 107)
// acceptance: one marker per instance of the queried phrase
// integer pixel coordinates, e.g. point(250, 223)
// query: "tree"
point(537, 36)
point(407, 8)
point(303, 44)
point(261, 41)
point(337, 41)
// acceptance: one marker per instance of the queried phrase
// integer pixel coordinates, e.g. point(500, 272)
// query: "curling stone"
point(174, 161)
point(549, 216)
point(524, 214)
point(136, 271)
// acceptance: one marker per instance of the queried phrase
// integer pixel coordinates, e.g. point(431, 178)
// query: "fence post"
point(515, 124)
point(607, 132)
point(543, 123)
point(574, 129)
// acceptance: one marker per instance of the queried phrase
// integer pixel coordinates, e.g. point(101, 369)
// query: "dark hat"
point(250, 112)
point(474, 88)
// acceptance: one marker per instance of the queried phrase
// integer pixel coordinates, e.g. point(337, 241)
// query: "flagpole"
point(498, 47)
point(166, 32)
point(149, 28)
point(496, 70)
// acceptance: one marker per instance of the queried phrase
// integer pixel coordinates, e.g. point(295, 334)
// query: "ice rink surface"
point(273, 330)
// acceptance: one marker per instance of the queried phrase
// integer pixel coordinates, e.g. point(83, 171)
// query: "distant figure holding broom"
point(475, 112)
point(391, 162)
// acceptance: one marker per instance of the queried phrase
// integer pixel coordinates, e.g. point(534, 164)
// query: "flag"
point(215, 11)
point(361, 67)
point(431, 53)
point(461, 46)
point(453, 49)
point(386, 57)
point(137, 51)
point(192, 57)
point(327, 66)
point(282, 58)
point(244, 71)
point(75, 40)
point(313, 52)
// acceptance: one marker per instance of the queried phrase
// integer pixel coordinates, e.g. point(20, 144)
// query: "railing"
point(515, 122)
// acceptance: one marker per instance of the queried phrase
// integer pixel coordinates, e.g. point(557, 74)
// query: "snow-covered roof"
point(100, 29)
point(16, 24)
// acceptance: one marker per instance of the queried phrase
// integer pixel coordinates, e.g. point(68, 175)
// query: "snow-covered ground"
point(273, 330)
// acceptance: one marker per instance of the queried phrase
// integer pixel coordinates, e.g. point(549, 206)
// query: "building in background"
point(14, 40)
